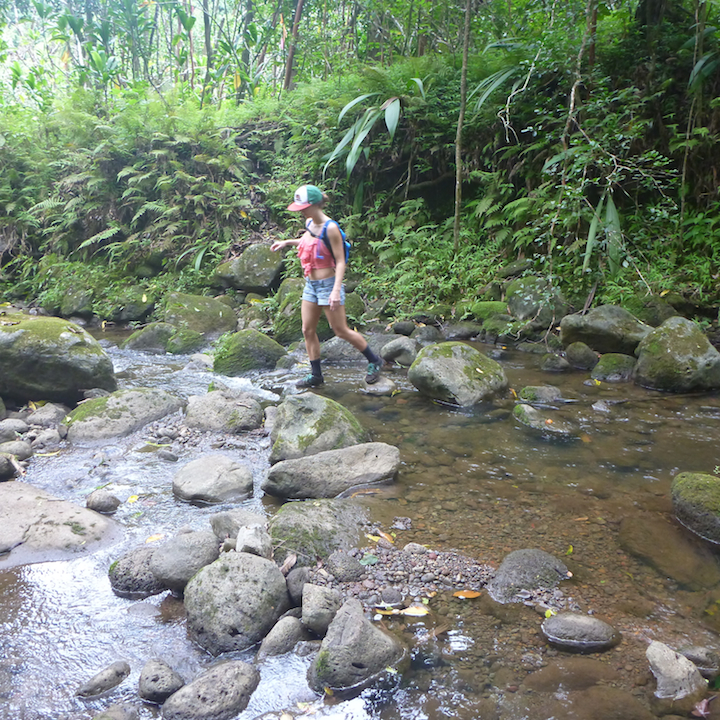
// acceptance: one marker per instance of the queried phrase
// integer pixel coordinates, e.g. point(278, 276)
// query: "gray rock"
point(580, 356)
point(8, 466)
point(11, 429)
point(176, 561)
point(218, 411)
point(48, 415)
point(456, 373)
point(51, 359)
point(308, 423)
point(679, 682)
point(247, 350)
point(529, 570)
point(606, 329)
point(119, 414)
point(614, 368)
point(213, 478)
point(463, 331)
point(102, 501)
point(227, 524)
point(19, 448)
point(403, 327)
point(158, 681)
point(220, 693)
point(35, 526)
point(255, 540)
point(105, 680)
point(317, 528)
point(296, 580)
point(426, 334)
point(353, 653)
point(705, 659)
point(319, 606)
point(285, 635)
point(677, 357)
point(552, 362)
point(131, 577)
point(384, 387)
point(695, 499)
point(534, 299)
point(330, 473)
point(543, 425)
point(153, 338)
point(119, 711)
point(46, 439)
point(402, 350)
point(207, 316)
point(234, 602)
point(344, 567)
point(579, 633)
point(256, 270)
point(541, 394)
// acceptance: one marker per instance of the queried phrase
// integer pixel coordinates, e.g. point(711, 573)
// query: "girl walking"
point(321, 250)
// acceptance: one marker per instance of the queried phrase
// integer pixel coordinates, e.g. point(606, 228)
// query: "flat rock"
point(213, 478)
point(529, 569)
point(579, 633)
point(105, 680)
point(222, 412)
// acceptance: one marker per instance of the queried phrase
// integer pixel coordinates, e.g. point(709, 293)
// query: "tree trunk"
point(208, 50)
point(291, 49)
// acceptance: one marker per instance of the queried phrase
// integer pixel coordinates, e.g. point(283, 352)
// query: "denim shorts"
point(318, 291)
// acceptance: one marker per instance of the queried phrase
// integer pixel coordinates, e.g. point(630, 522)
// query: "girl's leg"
point(338, 322)
point(310, 314)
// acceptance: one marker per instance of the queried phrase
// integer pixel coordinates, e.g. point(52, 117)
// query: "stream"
point(471, 481)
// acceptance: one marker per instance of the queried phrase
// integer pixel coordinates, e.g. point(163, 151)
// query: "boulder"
point(11, 429)
point(255, 540)
point(19, 448)
point(696, 501)
point(102, 501)
point(173, 563)
point(256, 270)
point(526, 570)
point(220, 693)
point(131, 576)
point(319, 606)
point(119, 414)
point(613, 368)
point(158, 681)
point(541, 394)
point(185, 341)
point(679, 683)
point(118, 711)
point(315, 529)
point(8, 466)
point(580, 356)
point(402, 350)
point(227, 524)
point(579, 633)
point(543, 425)
point(330, 473)
point(77, 302)
point(308, 423)
point(105, 680)
point(233, 603)
point(213, 478)
point(247, 350)
point(456, 373)
point(285, 635)
point(484, 309)
point(354, 652)
point(207, 316)
point(221, 412)
point(35, 526)
point(677, 357)
point(535, 300)
point(134, 303)
point(606, 329)
point(153, 338)
point(426, 334)
point(49, 415)
point(45, 358)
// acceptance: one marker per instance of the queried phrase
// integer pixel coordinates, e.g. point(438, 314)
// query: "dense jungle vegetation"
point(142, 142)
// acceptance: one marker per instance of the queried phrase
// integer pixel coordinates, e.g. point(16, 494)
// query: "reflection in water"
point(471, 481)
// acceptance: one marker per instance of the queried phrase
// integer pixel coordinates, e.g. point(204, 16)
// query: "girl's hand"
point(334, 299)
point(277, 245)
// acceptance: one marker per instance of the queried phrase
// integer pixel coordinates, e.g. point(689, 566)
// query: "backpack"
point(323, 236)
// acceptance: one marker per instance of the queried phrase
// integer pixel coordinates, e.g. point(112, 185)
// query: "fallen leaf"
point(387, 536)
point(550, 612)
point(548, 422)
point(569, 550)
point(288, 564)
point(581, 519)
point(133, 498)
point(153, 538)
point(328, 691)
point(469, 594)
point(586, 438)
point(415, 611)
point(373, 538)
point(47, 454)
point(387, 611)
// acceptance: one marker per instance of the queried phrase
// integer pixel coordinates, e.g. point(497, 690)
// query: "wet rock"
point(131, 577)
point(46, 439)
point(677, 357)
point(35, 526)
point(353, 653)
point(315, 529)
point(403, 327)
point(105, 680)
point(667, 548)
point(330, 473)
point(344, 566)
point(307, 424)
point(227, 524)
point(541, 394)
point(176, 561)
point(3, 409)
point(119, 414)
point(696, 501)
point(213, 478)
point(256, 270)
point(119, 711)
point(158, 681)
point(529, 569)
point(580, 356)
point(247, 350)
point(11, 429)
point(535, 299)
point(402, 350)
point(606, 329)
point(296, 580)
point(614, 368)
point(462, 331)
point(571, 673)
point(234, 602)
point(552, 362)
point(254, 540)
point(218, 411)
point(457, 373)
point(102, 501)
point(679, 683)
point(48, 415)
point(8, 466)
point(384, 387)
point(153, 338)
point(544, 425)
point(204, 315)
point(51, 359)
point(319, 606)
point(426, 334)
point(220, 693)
point(579, 633)
point(705, 659)
point(19, 448)
point(285, 635)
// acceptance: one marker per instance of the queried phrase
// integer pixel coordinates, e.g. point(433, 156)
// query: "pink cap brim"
point(298, 206)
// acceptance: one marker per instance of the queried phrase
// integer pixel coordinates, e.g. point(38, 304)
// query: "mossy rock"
point(696, 500)
point(153, 338)
point(515, 268)
point(200, 314)
point(185, 341)
point(253, 315)
point(132, 304)
point(434, 314)
point(653, 310)
point(287, 287)
point(535, 300)
point(613, 368)
point(77, 302)
point(483, 309)
point(542, 424)
point(541, 394)
point(247, 350)
point(581, 356)
point(354, 307)
point(605, 329)
point(258, 270)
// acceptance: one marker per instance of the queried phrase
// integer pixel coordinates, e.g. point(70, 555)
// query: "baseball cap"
point(305, 196)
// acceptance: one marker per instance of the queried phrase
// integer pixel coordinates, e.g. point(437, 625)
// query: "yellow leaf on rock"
point(387, 611)
point(153, 538)
point(328, 691)
point(133, 498)
point(549, 613)
point(415, 611)
point(469, 594)
point(386, 536)
point(374, 538)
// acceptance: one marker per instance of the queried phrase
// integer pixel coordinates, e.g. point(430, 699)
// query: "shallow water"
point(471, 481)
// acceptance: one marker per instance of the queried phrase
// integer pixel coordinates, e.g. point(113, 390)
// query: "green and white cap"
point(305, 196)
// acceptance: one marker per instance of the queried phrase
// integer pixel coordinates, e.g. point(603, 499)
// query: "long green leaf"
point(339, 147)
point(392, 116)
point(613, 233)
point(592, 232)
point(490, 84)
point(353, 103)
point(420, 85)
point(354, 155)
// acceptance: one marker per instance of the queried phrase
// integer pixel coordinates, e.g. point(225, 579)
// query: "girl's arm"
point(336, 243)
point(280, 244)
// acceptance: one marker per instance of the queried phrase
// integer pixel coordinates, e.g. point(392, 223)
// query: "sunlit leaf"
point(353, 103)
point(392, 115)
point(133, 498)
point(415, 611)
point(155, 538)
point(550, 612)
point(373, 538)
point(386, 536)
point(569, 551)
point(467, 594)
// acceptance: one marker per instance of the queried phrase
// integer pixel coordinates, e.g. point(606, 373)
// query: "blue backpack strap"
point(325, 239)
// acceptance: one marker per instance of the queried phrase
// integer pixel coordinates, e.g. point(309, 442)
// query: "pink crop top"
point(313, 254)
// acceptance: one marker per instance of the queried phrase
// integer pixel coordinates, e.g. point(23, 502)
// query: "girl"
point(324, 269)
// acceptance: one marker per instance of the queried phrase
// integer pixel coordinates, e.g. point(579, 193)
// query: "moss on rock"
point(696, 500)
point(247, 350)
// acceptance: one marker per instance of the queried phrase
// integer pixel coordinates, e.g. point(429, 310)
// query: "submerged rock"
point(529, 570)
point(105, 680)
point(541, 394)
point(542, 424)
point(679, 683)
point(579, 633)
point(614, 368)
